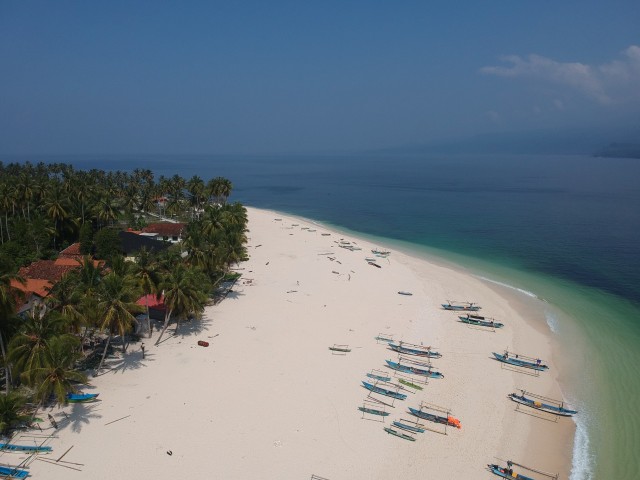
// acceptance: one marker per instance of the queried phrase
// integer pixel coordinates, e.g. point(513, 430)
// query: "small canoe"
point(413, 370)
point(81, 397)
point(399, 434)
point(504, 473)
point(384, 391)
point(379, 377)
point(545, 407)
point(518, 362)
point(402, 292)
point(340, 349)
point(374, 264)
point(481, 321)
point(409, 384)
point(373, 411)
point(408, 428)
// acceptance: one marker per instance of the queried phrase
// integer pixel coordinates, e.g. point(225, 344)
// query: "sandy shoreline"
point(267, 399)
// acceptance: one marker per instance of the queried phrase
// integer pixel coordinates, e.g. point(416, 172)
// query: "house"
point(157, 308)
point(131, 243)
point(169, 232)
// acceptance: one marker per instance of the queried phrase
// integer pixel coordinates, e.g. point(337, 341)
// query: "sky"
point(274, 76)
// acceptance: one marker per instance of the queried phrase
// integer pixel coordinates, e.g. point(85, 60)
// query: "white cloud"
point(613, 82)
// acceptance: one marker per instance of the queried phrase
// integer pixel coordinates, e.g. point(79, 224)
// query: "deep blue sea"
point(564, 228)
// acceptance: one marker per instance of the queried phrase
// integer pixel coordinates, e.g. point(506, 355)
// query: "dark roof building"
point(131, 243)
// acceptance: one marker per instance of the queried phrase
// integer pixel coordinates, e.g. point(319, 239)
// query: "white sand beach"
point(268, 399)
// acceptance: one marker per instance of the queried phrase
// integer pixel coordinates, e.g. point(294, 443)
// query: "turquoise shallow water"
point(562, 228)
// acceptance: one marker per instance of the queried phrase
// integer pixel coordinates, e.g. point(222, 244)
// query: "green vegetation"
point(46, 208)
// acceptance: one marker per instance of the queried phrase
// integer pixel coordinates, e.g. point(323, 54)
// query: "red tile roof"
point(71, 251)
point(32, 285)
point(152, 301)
point(165, 229)
point(45, 270)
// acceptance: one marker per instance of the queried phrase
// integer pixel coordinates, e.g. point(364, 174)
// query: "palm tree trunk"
point(104, 354)
point(165, 326)
point(6, 224)
point(7, 368)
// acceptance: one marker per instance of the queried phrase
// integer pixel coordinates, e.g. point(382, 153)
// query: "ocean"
point(560, 229)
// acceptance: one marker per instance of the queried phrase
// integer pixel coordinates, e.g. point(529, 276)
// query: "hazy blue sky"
point(275, 76)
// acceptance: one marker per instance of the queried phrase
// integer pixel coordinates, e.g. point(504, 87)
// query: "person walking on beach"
point(142, 348)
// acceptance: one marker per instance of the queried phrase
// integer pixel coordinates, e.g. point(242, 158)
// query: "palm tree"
point(146, 271)
point(8, 295)
point(57, 376)
point(11, 408)
point(185, 293)
point(105, 209)
point(117, 302)
point(56, 202)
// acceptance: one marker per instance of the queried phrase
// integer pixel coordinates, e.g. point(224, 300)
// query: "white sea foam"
point(552, 321)
point(524, 292)
point(582, 462)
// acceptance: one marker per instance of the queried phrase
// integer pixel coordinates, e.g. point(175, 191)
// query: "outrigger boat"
point(461, 306)
point(13, 472)
point(519, 362)
point(384, 391)
point(409, 384)
point(419, 352)
point(413, 370)
point(481, 321)
point(408, 428)
point(539, 405)
point(340, 348)
point(81, 397)
point(24, 448)
point(398, 434)
point(373, 411)
point(378, 377)
point(380, 253)
point(506, 472)
point(449, 420)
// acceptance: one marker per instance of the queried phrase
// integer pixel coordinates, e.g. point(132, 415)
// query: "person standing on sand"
point(142, 348)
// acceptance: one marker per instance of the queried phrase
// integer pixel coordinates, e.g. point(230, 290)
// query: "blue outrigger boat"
point(506, 472)
point(399, 434)
point(539, 405)
point(13, 472)
point(519, 362)
point(414, 351)
point(461, 306)
point(373, 411)
point(413, 370)
point(409, 428)
point(480, 321)
point(81, 397)
point(454, 422)
point(378, 377)
point(384, 391)
point(24, 448)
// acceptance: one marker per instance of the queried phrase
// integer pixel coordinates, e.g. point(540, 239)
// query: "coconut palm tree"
point(185, 293)
point(117, 297)
point(56, 205)
point(57, 376)
point(147, 272)
point(11, 408)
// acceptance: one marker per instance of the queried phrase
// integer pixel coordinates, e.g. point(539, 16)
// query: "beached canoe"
point(378, 377)
point(81, 397)
point(24, 448)
point(399, 434)
point(373, 411)
point(425, 352)
point(451, 421)
point(461, 306)
point(12, 472)
point(545, 407)
point(383, 391)
point(481, 321)
point(403, 292)
point(518, 362)
point(408, 428)
point(338, 348)
point(504, 473)
point(413, 370)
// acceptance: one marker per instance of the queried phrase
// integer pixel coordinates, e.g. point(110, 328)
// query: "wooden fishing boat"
point(399, 434)
point(461, 306)
point(340, 348)
point(378, 377)
point(449, 420)
point(403, 292)
point(380, 253)
point(374, 264)
point(408, 428)
point(539, 405)
point(413, 370)
point(519, 362)
point(24, 448)
point(409, 384)
point(424, 352)
point(505, 473)
point(481, 321)
point(12, 472)
point(81, 397)
point(373, 411)
point(384, 391)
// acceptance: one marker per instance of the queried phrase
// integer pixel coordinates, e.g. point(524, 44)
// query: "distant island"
point(620, 150)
